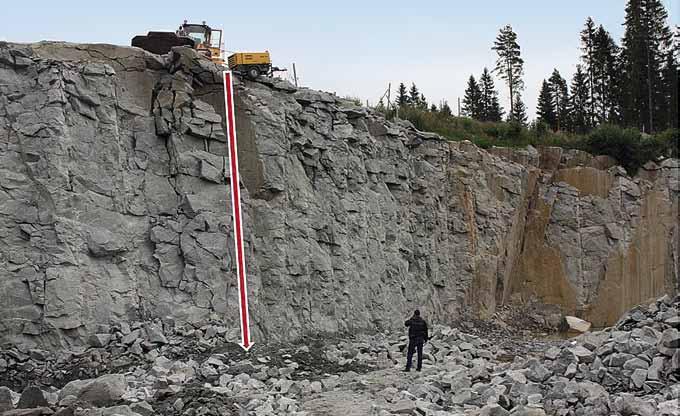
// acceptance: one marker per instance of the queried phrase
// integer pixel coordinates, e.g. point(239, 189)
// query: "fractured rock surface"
point(114, 207)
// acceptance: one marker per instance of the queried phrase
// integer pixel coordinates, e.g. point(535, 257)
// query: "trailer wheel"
point(253, 72)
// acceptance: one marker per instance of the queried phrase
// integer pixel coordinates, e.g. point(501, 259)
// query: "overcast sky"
point(349, 47)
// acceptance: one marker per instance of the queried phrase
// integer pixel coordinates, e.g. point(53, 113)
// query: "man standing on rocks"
point(417, 336)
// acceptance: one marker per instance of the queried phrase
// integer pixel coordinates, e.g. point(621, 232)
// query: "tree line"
point(632, 85)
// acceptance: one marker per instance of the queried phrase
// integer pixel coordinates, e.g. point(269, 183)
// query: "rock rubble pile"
point(156, 368)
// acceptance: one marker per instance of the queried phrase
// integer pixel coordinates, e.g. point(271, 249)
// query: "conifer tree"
point(579, 120)
point(606, 73)
point(520, 113)
point(402, 96)
point(588, 58)
point(413, 95)
point(646, 41)
point(559, 95)
point(670, 75)
point(491, 109)
point(422, 102)
point(472, 100)
point(433, 108)
point(509, 64)
point(545, 109)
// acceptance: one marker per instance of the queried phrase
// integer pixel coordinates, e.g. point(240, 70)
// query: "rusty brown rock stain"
point(589, 181)
point(638, 274)
point(539, 271)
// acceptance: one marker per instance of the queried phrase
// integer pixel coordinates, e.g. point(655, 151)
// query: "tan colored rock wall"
point(597, 242)
point(642, 271)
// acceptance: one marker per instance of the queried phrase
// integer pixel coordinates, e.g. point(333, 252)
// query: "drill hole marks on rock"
point(244, 316)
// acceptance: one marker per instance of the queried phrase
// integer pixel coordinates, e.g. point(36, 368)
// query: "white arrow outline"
point(244, 316)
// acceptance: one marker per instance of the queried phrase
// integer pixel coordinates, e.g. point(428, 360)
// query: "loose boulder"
point(5, 399)
point(103, 391)
point(32, 397)
point(576, 324)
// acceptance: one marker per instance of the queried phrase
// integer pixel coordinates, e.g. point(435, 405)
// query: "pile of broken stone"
point(152, 368)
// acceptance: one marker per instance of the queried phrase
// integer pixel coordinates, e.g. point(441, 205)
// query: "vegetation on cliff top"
point(622, 100)
point(628, 146)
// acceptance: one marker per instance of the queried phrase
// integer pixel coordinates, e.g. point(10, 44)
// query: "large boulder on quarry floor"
point(103, 391)
point(572, 323)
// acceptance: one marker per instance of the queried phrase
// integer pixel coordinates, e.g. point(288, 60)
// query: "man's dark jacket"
point(417, 329)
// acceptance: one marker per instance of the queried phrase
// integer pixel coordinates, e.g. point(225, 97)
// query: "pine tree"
point(606, 73)
point(671, 73)
point(588, 58)
point(646, 41)
point(472, 104)
point(520, 113)
point(422, 102)
point(491, 109)
point(402, 96)
point(661, 45)
point(509, 64)
point(579, 120)
point(559, 95)
point(413, 95)
point(545, 109)
point(433, 108)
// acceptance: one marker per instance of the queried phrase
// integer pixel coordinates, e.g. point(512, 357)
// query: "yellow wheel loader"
point(207, 41)
point(203, 38)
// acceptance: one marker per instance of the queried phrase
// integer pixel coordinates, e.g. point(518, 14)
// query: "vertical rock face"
point(597, 241)
point(114, 206)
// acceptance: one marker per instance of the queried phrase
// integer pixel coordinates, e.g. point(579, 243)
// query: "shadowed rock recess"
point(114, 207)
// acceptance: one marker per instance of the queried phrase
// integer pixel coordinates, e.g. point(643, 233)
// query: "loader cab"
point(198, 33)
point(216, 38)
point(214, 44)
point(207, 40)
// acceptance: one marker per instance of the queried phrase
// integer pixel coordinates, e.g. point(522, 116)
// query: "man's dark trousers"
point(413, 345)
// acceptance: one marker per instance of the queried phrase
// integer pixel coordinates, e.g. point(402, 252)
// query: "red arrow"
point(246, 343)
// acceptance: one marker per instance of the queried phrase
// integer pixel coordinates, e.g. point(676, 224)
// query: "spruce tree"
point(472, 100)
point(402, 96)
point(520, 113)
point(646, 41)
point(422, 102)
point(579, 118)
point(588, 58)
point(606, 73)
point(491, 109)
point(545, 109)
point(433, 108)
point(413, 95)
point(661, 45)
point(670, 75)
point(559, 95)
point(509, 64)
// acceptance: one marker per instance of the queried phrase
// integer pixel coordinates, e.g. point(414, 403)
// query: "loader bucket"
point(160, 43)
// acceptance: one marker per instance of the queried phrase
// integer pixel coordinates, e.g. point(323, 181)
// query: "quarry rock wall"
point(114, 206)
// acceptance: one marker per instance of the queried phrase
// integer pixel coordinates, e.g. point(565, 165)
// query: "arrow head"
point(246, 347)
